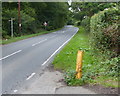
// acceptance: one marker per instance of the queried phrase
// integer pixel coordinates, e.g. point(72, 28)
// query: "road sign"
point(45, 24)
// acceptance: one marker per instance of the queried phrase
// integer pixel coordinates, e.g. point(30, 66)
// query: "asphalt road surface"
point(21, 60)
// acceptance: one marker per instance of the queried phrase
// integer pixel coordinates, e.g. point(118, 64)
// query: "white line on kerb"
point(11, 54)
point(30, 76)
point(39, 42)
point(58, 49)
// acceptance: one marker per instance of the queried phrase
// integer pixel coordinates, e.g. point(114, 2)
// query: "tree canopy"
point(33, 15)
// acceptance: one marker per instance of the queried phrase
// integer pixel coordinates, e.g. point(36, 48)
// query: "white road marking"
point(52, 36)
point(15, 91)
point(54, 32)
point(31, 76)
point(39, 42)
point(11, 54)
point(58, 49)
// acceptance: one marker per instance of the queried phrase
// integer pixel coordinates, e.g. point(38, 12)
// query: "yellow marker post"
point(79, 64)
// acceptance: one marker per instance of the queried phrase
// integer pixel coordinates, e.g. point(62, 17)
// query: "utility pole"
point(19, 17)
point(11, 22)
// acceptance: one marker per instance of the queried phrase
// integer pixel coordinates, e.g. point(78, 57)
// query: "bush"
point(112, 67)
point(86, 24)
point(70, 22)
point(48, 28)
point(78, 23)
point(4, 35)
point(104, 30)
point(105, 41)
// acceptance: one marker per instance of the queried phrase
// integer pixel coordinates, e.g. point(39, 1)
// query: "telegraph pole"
point(11, 27)
point(11, 22)
point(19, 18)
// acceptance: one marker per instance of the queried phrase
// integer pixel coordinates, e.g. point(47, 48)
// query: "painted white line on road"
point(39, 42)
point(54, 32)
point(11, 54)
point(58, 49)
point(15, 91)
point(52, 36)
point(31, 76)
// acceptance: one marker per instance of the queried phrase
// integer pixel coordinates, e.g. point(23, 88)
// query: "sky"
point(69, 2)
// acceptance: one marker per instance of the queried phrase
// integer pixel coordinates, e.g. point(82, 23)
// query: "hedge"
point(104, 30)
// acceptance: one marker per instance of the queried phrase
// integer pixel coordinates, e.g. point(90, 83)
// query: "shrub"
point(112, 67)
point(104, 30)
point(48, 28)
point(86, 24)
point(5, 35)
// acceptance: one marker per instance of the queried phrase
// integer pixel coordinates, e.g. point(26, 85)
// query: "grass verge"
point(14, 39)
point(93, 72)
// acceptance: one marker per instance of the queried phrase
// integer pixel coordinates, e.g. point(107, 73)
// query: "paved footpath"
point(51, 82)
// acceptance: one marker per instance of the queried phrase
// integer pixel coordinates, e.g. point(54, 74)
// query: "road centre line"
point(58, 49)
point(11, 54)
point(54, 32)
point(31, 76)
point(52, 36)
point(39, 42)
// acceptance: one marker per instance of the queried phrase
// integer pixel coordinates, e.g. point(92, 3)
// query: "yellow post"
point(79, 64)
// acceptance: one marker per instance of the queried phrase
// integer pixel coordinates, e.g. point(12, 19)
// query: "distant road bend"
point(21, 60)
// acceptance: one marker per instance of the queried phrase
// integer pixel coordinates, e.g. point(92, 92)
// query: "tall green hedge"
point(86, 24)
point(104, 30)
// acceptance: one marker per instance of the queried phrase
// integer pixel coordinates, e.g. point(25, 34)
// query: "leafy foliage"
point(70, 78)
point(33, 15)
point(101, 58)
point(104, 30)
point(86, 24)
point(95, 65)
point(26, 21)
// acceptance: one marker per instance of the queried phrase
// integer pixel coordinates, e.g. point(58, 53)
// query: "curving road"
point(21, 60)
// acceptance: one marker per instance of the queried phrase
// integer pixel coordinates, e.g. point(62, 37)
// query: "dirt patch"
point(50, 68)
point(101, 89)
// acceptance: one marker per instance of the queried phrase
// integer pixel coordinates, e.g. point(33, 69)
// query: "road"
point(23, 59)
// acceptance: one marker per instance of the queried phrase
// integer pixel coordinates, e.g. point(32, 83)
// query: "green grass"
point(14, 39)
point(107, 81)
point(92, 70)
point(66, 59)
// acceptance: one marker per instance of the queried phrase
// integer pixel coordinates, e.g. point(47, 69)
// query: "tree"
point(33, 15)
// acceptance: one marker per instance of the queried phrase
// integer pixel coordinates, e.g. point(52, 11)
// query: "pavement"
point(52, 82)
